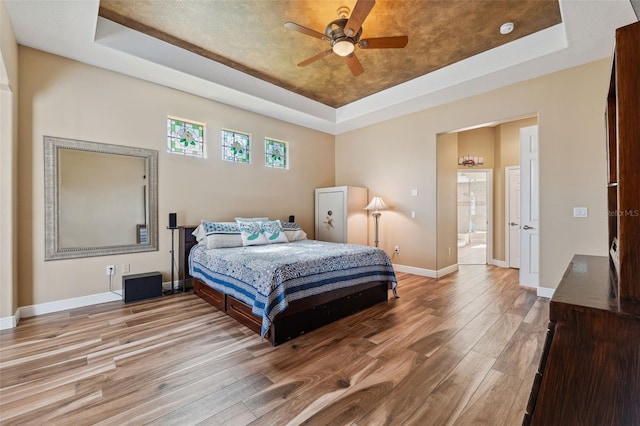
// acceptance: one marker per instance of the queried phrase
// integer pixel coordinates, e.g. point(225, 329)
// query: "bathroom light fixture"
point(470, 161)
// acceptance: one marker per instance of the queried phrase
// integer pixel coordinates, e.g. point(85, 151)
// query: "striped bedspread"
point(269, 277)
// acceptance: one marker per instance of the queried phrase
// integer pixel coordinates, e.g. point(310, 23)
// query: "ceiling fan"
point(344, 34)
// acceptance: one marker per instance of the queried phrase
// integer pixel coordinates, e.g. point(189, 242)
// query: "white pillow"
point(251, 233)
point(273, 232)
point(218, 234)
point(216, 241)
point(293, 231)
point(199, 233)
point(296, 235)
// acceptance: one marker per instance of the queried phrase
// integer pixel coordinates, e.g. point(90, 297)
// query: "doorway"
point(474, 213)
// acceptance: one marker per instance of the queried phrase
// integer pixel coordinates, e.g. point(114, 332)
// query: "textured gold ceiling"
point(249, 35)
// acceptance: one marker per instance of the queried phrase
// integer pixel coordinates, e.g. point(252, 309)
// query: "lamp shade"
point(376, 204)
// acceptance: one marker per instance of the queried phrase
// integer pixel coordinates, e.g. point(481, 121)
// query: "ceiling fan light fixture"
point(343, 47)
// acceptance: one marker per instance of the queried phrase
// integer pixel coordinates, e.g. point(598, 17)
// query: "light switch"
point(413, 214)
point(414, 192)
point(580, 212)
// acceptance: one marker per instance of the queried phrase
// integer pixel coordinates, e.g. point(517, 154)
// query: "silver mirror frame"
point(53, 251)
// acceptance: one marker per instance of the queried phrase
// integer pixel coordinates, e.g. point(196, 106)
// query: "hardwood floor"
point(459, 350)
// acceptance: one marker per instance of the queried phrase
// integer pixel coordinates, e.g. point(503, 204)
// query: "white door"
point(330, 217)
point(513, 215)
point(529, 207)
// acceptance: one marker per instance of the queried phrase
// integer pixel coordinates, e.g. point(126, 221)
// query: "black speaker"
point(141, 286)
point(173, 220)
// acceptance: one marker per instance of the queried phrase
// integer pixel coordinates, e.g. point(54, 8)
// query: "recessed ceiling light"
point(506, 28)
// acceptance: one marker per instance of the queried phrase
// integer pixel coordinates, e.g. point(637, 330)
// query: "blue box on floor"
point(136, 287)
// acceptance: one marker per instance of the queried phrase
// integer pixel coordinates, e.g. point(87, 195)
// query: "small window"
point(276, 154)
point(185, 137)
point(236, 146)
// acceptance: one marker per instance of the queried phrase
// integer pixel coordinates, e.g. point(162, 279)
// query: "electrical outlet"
point(125, 268)
point(111, 270)
point(396, 249)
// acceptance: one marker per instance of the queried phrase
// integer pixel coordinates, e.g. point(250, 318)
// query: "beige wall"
point(63, 98)
point(447, 199)
point(8, 166)
point(478, 142)
point(394, 156)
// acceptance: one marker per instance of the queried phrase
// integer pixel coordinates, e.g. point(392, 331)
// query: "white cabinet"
point(340, 214)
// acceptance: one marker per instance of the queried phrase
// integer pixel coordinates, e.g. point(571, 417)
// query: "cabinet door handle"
point(528, 227)
point(513, 224)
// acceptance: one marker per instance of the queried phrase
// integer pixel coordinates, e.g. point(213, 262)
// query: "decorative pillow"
point(215, 241)
point(293, 231)
point(295, 235)
point(251, 233)
point(220, 227)
point(252, 219)
point(290, 226)
point(273, 231)
point(220, 234)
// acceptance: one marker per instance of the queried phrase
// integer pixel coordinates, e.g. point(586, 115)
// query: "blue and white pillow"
point(293, 231)
point(251, 219)
point(219, 234)
point(220, 227)
point(273, 232)
point(251, 233)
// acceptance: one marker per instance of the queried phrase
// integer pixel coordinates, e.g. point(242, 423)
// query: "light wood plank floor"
point(459, 350)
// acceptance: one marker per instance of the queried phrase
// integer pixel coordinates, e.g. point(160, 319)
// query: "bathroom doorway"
point(474, 212)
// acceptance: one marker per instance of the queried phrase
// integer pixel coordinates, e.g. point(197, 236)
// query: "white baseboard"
point(8, 322)
point(447, 270)
point(415, 271)
point(426, 272)
point(499, 263)
point(546, 292)
point(62, 305)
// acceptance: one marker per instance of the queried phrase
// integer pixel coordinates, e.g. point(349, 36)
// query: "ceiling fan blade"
point(358, 15)
point(304, 30)
point(315, 58)
point(384, 42)
point(354, 64)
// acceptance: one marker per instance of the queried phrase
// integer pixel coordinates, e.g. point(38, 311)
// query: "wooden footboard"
point(302, 316)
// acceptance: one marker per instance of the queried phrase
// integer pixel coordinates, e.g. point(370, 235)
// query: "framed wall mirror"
point(100, 199)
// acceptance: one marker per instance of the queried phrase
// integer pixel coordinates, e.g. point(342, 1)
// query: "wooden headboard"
point(186, 243)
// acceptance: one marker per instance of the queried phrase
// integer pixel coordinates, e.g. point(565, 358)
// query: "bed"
point(281, 291)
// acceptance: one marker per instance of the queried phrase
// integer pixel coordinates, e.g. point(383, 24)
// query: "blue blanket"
point(269, 277)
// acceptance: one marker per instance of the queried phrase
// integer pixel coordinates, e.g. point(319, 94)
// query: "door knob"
point(513, 224)
point(528, 227)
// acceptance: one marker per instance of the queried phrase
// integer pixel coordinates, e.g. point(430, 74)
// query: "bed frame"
point(300, 317)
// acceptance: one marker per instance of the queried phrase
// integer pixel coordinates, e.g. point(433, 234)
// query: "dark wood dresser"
point(589, 372)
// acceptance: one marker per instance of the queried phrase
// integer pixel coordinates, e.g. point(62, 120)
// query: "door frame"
point(507, 199)
point(489, 207)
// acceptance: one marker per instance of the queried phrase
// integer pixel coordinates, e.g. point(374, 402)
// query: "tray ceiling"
point(249, 36)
